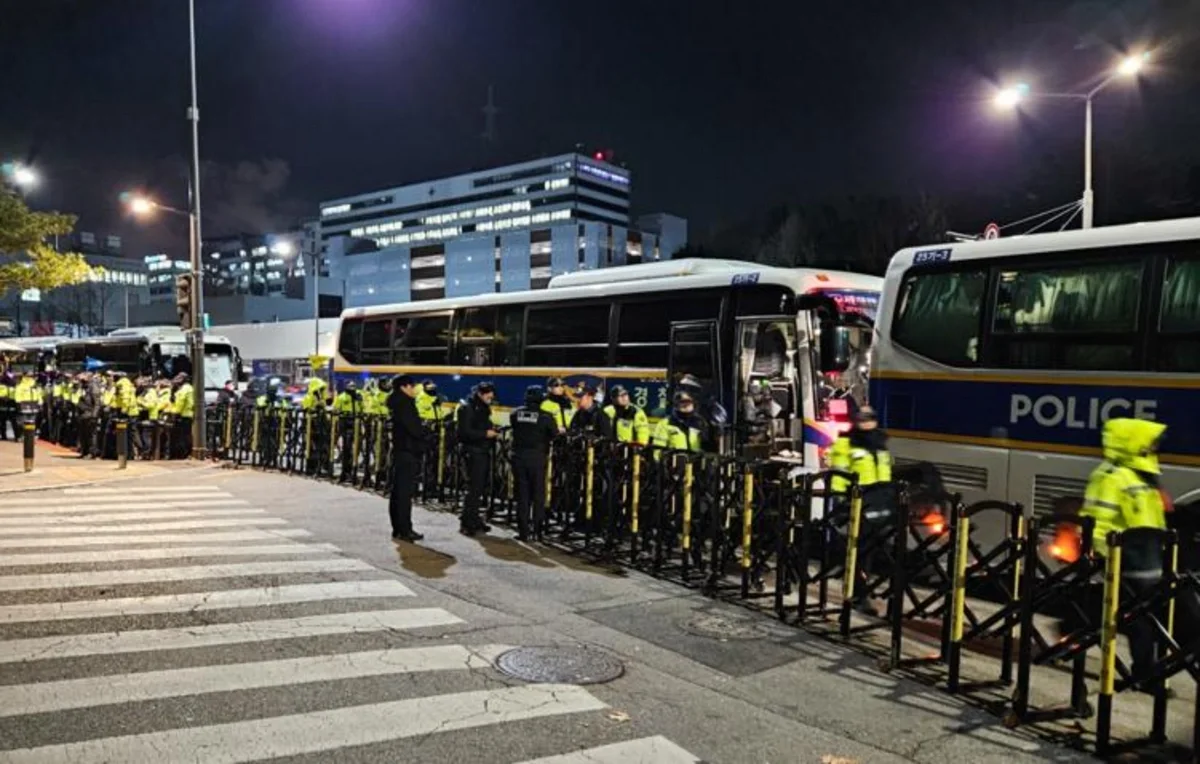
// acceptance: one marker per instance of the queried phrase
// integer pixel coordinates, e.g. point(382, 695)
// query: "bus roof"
point(156, 334)
point(1062, 241)
point(647, 277)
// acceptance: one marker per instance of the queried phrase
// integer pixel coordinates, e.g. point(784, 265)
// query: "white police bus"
point(156, 351)
point(999, 361)
point(729, 323)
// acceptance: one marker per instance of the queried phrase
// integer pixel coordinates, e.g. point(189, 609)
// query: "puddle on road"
point(539, 556)
point(423, 561)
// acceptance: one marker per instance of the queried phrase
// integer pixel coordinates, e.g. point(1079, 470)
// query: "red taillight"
point(934, 523)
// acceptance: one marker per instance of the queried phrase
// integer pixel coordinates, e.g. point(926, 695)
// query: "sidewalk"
point(56, 467)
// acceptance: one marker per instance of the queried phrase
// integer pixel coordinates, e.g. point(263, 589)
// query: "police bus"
point(802, 334)
point(155, 351)
point(998, 362)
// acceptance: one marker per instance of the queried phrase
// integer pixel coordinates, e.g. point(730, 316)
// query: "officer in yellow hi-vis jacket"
point(557, 404)
point(1123, 494)
point(863, 451)
point(629, 421)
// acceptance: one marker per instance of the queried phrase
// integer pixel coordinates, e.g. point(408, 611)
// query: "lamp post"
point(143, 206)
point(197, 333)
point(1011, 97)
point(20, 176)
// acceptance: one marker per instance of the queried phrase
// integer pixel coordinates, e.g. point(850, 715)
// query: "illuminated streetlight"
point(24, 177)
point(140, 205)
point(1129, 67)
point(283, 248)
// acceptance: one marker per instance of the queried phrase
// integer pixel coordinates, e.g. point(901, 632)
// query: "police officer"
point(629, 422)
point(408, 443)
point(183, 401)
point(7, 406)
point(476, 434)
point(589, 418)
point(429, 403)
point(533, 430)
point(863, 451)
point(557, 404)
point(709, 409)
point(313, 406)
point(1123, 494)
point(348, 405)
point(685, 430)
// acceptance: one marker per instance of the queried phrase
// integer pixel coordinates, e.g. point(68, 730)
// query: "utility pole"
point(196, 335)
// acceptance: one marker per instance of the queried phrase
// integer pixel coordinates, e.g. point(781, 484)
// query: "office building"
point(116, 287)
point(502, 229)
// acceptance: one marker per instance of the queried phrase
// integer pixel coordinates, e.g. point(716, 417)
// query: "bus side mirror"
point(836, 350)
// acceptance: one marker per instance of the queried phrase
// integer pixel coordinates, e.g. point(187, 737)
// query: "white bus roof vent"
point(640, 272)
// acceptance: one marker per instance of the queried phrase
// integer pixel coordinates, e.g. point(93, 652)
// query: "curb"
point(103, 481)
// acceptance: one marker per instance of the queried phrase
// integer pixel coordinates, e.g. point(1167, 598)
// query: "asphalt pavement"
point(229, 615)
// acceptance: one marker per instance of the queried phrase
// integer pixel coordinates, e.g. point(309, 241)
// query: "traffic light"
point(183, 300)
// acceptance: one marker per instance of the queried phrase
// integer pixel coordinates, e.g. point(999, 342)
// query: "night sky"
point(720, 109)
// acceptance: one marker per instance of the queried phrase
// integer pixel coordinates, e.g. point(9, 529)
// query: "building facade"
point(502, 229)
point(115, 290)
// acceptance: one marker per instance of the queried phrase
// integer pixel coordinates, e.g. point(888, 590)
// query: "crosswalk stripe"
point(33, 581)
point(320, 731)
point(174, 525)
point(126, 490)
point(215, 634)
point(201, 601)
point(157, 538)
point(647, 750)
point(116, 504)
point(109, 517)
point(164, 553)
point(21, 699)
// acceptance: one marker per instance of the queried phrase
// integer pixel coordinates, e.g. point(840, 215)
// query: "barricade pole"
point(747, 531)
point(1158, 732)
point(254, 432)
point(333, 437)
point(1108, 644)
point(850, 572)
point(281, 447)
point(1020, 709)
point(962, 536)
point(308, 424)
point(899, 577)
point(229, 410)
point(786, 511)
point(441, 459)
point(356, 423)
point(1019, 533)
point(380, 473)
point(635, 495)
point(686, 529)
point(589, 483)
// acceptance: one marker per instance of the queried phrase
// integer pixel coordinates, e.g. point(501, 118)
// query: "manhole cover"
point(560, 665)
point(718, 626)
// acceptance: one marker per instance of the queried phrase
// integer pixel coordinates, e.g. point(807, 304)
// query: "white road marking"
point(115, 504)
point(33, 581)
point(321, 731)
point(146, 489)
point(20, 699)
point(164, 553)
point(177, 525)
point(156, 538)
point(201, 601)
point(26, 518)
point(243, 632)
point(647, 750)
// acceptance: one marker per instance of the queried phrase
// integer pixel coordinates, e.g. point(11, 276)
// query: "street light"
point(1129, 67)
point(22, 177)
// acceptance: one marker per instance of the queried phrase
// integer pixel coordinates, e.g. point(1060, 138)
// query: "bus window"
point(350, 340)
point(376, 341)
point(567, 335)
point(423, 340)
point(1077, 317)
point(476, 334)
point(509, 332)
point(644, 325)
point(1179, 324)
point(939, 315)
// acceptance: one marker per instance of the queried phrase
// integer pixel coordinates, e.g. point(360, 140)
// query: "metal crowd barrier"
point(760, 533)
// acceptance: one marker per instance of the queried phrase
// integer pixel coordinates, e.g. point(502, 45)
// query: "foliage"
point(859, 233)
point(32, 264)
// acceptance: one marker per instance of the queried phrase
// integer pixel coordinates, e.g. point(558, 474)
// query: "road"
point(224, 616)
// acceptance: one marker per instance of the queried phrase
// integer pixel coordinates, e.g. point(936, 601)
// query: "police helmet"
point(586, 389)
point(866, 414)
point(534, 395)
point(618, 391)
point(429, 386)
point(483, 388)
point(555, 382)
point(690, 382)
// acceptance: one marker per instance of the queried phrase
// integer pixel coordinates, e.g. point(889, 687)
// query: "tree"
point(31, 263)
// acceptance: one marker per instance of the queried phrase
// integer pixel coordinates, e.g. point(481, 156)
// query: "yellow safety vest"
point(870, 468)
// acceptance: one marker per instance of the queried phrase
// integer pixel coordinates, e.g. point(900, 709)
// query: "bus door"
point(695, 349)
point(769, 374)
